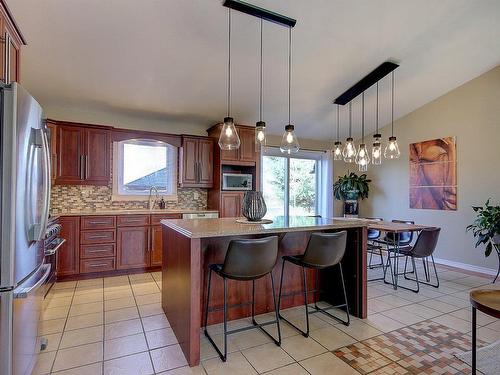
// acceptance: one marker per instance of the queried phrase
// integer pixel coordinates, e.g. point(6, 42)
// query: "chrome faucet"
point(152, 202)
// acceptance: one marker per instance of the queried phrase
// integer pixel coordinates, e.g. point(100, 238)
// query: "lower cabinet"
point(156, 246)
point(68, 254)
point(133, 247)
point(231, 204)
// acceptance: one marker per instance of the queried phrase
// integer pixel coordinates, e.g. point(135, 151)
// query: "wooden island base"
point(186, 256)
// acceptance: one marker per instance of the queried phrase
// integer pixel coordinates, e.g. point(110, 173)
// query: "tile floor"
point(115, 326)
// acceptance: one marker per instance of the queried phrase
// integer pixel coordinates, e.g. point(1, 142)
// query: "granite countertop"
point(204, 228)
point(139, 211)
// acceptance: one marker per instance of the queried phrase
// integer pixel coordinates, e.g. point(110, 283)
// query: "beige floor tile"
point(82, 336)
point(327, 363)
point(88, 298)
point(466, 314)
point(137, 364)
point(248, 339)
point(186, 370)
point(148, 299)
point(116, 281)
point(293, 369)
point(55, 313)
point(314, 322)
point(453, 322)
point(455, 301)
point(78, 356)
point(123, 328)
point(393, 300)
point(267, 357)
point(332, 338)
point(236, 364)
point(488, 335)
point(61, 293)
point(88, 290)
point(93, 369)
point(83, 321)
point(116, 294)
point(151, 323)
point(140, 277)
point(86, 308)
point(494, 326)
point(167, 358)
point(50, 303)
point(383, 323)
point(359, 330)
point(48, 327)
point(123, 346)
point(145, 289)
point(53, 341)
point(90, 282)
point(423, 311)
point(64, 285)
point(286, 329)
point(403, 316)
point(438, 305)
point(376, 306)
point(160, 337)
point(120, 315)
point(44, 363)
point(151, 309)
point(119, 303)
point(300, 347)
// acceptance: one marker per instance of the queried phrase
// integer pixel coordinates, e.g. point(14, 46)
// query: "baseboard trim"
point(465, 266)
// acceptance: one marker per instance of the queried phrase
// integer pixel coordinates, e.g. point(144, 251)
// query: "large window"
point(141, 164)
point(290, 183)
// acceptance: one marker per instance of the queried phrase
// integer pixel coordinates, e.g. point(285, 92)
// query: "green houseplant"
point(349, 188)
point(486, 229)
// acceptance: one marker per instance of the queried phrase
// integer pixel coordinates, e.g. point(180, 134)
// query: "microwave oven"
point(236, 181)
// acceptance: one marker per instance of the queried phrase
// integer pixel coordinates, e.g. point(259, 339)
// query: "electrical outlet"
point(196, 195)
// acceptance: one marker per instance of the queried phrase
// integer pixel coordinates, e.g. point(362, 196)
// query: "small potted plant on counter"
point(486, 229)
point(349, 189)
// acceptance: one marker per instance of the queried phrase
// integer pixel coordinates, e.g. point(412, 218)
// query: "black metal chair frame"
point(255, 324)
point(372, 249)
point(315, 291)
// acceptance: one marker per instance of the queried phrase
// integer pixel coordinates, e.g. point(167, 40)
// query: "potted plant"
point(349, 188)
point(486, 229)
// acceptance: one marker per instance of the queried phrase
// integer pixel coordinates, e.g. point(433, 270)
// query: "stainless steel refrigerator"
point(24, 206)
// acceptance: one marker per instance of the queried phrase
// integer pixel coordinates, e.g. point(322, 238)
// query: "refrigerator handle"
point(46, 183)
point(25, 292)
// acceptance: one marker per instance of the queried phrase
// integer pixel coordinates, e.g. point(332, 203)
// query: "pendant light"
point(362, 158)
point(229, 139)
point(392, 149)
point(289, 141)
point(260, 126)
point(349, 151)
point(377, 146)
point(337, 146)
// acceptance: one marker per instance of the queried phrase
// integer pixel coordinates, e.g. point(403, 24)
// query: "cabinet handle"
point(132, 220)
point(97, 264)
point(97, 251)
point(97, 237)
point(196, 171)
point(98, 222)
point(148, 246)
point(199, 172)
point(86, 158)
point(82, 176)
point(7, 58)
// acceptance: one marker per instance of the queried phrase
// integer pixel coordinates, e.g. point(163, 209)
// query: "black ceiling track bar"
point(367, 81)
point(258, 12)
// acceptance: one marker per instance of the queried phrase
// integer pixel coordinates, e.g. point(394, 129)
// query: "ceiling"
point(167, 60)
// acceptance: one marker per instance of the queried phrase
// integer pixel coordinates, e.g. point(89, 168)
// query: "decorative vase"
point(351, 208)
point(254, 208)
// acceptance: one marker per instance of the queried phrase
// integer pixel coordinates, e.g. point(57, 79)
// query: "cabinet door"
point(97, 156)
point(132, 247)
point(3, 51)
point(53, 150)
point(205, 163)
point(69, 253)
point(188, 174)
point(231, 204)
point(13, 61)
point(156, 245)
point(69, 155)
point(247, 147)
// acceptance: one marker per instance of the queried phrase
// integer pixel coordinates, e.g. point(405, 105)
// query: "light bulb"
point(377, 150)
point(392, 149)
point(289, 141)
point(260, 134)
point(229, 139)
point(362, 158)
point(349, 151)
point(337, 151)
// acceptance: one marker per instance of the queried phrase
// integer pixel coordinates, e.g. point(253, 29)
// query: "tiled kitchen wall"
point(70, 198)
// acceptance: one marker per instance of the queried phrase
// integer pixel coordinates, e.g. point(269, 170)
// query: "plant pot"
point(351, 208)
point(352, 195)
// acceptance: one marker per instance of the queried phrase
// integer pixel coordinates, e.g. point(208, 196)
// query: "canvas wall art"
point(433, 174)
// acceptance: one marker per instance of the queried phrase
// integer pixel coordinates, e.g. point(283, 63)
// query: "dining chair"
point(372, 246)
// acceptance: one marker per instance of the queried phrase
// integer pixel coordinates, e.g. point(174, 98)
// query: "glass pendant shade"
point(377, 150)
point(349, 151)
point(337, 151)
point(260, 134)
point(229, 139)
point(289, 142)
point(392, 149)
point(362, 158)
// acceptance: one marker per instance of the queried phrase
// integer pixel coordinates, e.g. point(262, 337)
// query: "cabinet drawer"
point(98, 222)
point(97, 265)
point(97, 236)
point(155, 219)
point(132, 220)
point(97, 251)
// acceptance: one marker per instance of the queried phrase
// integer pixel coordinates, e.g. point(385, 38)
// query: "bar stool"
point(372, 247)
point(246, 260)
point(324, 250)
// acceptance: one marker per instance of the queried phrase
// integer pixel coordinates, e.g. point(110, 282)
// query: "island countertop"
point(225, 227)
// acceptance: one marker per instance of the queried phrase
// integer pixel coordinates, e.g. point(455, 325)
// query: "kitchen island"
point(189, 246)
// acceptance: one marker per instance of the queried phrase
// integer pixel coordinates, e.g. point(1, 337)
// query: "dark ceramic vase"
point(254, 208)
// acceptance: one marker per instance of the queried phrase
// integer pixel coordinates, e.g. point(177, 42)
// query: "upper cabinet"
point(246, 154)
point(196, 159)
point(82, 155)
point(11, 40)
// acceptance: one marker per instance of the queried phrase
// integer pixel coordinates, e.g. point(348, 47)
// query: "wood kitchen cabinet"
point(68, 254)
point(196, 158)
point(231, 204)
point(246, 154)
point(132, 247)
point(156, 238)
point(11, 40)
point(82, 156)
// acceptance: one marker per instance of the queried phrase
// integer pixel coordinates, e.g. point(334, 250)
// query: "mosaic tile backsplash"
point(65, 198)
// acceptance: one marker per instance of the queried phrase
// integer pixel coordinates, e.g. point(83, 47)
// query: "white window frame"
point(118, 195)
point(303, 154)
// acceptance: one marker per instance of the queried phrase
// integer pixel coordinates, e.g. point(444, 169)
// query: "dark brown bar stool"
point(324, 250)
point(246, 260)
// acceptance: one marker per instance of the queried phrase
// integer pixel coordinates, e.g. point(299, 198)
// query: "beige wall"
point(472, 114)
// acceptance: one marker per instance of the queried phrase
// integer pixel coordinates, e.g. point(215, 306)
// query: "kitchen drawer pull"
point(98, 265)
point(97, 237)
point(98, 222)
point(132, 220)
point(98, 251)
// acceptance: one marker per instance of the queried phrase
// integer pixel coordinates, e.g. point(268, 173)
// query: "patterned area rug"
point(488, 358)
point(423, 348)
